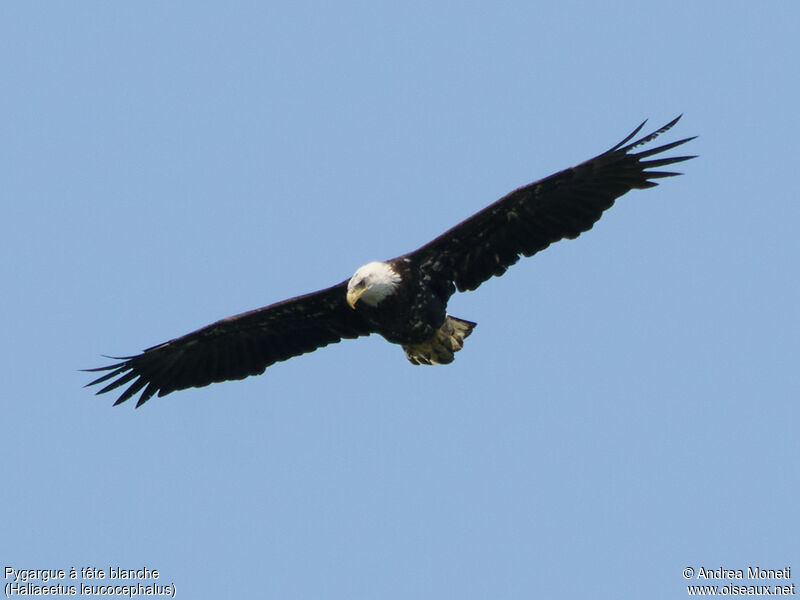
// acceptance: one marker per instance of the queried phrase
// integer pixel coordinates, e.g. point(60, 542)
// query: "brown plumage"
point(403, 299)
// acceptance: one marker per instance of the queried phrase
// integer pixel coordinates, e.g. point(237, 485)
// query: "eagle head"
point(372, 283)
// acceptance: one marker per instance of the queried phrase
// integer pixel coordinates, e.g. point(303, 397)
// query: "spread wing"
point(236, 347)
point(532, 217)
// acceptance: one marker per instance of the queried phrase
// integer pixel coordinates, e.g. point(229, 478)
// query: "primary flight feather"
point(403, 299)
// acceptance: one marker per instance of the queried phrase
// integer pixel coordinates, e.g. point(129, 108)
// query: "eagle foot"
point(439, 350)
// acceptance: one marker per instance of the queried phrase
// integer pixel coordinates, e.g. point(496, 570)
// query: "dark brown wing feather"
point(236, 347)
point(534, 216)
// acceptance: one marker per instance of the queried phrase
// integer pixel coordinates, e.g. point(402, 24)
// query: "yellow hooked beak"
point(354, 294)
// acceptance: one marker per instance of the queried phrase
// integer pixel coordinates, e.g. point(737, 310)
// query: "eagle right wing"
point(534, 216)
point(236, 347)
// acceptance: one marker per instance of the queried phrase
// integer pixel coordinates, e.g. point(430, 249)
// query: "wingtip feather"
point(629, 137)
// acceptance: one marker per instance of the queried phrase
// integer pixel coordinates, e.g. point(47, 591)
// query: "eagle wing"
point(532, 217)
point(237, 346)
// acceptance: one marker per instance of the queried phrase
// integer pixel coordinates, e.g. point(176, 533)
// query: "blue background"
point(627, 406)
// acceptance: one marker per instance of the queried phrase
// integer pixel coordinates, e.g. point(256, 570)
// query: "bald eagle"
point(403, 299)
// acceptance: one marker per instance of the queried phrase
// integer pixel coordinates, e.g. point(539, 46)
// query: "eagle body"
point(410, 309)
point(403, 299)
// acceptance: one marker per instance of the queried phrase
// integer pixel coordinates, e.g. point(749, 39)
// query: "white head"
point(372, 283)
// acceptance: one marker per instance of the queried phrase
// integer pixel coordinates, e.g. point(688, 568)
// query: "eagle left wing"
point(237, 346)
point(534, 216)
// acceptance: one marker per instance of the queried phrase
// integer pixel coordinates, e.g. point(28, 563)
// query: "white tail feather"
point(447, 340)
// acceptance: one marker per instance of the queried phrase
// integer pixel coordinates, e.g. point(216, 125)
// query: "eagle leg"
point(439, 350)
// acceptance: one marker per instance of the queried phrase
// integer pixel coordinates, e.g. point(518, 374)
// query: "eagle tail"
point(439, 350)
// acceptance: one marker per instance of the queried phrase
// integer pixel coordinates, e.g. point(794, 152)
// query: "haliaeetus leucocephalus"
point(403, 299)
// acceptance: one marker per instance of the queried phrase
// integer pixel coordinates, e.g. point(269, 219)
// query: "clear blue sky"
point(628, 405)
